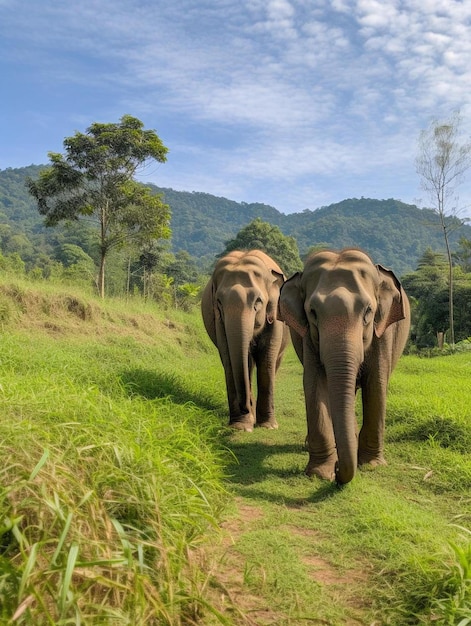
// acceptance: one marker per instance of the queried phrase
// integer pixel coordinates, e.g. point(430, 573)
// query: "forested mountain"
point(395, 234)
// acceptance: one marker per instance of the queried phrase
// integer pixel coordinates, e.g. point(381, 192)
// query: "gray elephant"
point(349, 322)
point(239, 308)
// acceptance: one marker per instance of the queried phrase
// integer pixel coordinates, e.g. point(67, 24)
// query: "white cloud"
point(260, 92)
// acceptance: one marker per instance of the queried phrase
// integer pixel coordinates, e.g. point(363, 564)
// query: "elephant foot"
point(372, 460)
point(270, 424)
point(242, 424)
point(325, 470)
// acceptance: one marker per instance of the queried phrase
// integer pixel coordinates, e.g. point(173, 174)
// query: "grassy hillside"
point(125, 500)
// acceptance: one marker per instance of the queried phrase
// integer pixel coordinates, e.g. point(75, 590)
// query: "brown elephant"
point(239, 308)
point(349, 322)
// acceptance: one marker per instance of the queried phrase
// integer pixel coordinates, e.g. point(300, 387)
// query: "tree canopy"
point(428, 289)
point(268, 238)
point(94, 181)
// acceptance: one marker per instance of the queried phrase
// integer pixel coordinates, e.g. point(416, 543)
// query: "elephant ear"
point(274, 295)
point(291, 305)
point(208, 310)
point(390, 301)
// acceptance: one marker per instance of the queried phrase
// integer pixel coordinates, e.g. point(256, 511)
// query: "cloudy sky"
point(292, 103)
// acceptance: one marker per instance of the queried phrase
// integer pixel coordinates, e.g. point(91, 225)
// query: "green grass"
point(111, 477)
point(391, 531)
point(125, 500)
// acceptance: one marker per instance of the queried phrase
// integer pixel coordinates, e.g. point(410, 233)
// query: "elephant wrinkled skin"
point(349, 322)
point(239, 308)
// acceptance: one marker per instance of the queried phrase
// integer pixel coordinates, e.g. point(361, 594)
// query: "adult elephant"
point(239, 308)
point(349, 322)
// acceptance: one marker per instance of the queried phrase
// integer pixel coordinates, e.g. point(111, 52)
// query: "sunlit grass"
point(390, 531)
point(107, 487)
point(116, 471)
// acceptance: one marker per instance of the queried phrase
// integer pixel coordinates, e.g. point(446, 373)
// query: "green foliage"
point(462, 255)
point(442, 162)
point(202, 223)
point(94, 180)
point(263, 236)
point(428, 288)
point(12, 263)
point(452, 598)
point(395, 234)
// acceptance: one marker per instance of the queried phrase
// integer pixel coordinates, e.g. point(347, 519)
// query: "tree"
point(427, 289)
point(94, 181)
point(182, 269)
point(462, 255)
point(263, 236)
point(441, 163)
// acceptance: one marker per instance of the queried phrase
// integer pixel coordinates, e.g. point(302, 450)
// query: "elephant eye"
point(368, 315)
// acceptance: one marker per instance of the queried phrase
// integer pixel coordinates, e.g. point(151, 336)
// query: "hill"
point(394, 233)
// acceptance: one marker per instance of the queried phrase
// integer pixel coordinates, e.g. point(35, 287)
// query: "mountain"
point(393, 233)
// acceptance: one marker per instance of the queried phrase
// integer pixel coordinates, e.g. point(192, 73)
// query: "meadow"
point(125, 499)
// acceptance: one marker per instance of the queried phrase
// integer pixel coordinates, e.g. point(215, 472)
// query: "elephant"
point(349, 321)
point(239, 308)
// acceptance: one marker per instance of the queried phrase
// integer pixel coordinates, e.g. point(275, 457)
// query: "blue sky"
point(293, 103)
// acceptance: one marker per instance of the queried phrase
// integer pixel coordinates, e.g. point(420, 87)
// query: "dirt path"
point(234, 598)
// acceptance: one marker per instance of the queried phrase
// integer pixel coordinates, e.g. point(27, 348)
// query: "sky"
point(296, 104)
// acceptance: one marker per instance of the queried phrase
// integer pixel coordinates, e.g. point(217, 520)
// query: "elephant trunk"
point(341, 373)
point(239, 333)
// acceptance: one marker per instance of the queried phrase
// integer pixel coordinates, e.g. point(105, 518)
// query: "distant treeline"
point(403, 237)
point(393, 233)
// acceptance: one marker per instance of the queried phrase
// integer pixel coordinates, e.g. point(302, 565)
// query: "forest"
point(400, 236)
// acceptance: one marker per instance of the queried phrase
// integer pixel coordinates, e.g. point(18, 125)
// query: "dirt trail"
point(249, 609)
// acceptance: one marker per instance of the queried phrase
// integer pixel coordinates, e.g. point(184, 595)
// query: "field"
point(124, 499)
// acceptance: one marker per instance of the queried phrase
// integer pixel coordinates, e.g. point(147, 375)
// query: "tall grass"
point(108, 487)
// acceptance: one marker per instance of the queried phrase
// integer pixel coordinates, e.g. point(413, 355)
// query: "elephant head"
point(239, 308)
point(343, 310)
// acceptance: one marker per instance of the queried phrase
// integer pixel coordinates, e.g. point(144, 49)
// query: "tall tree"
point(263, 236)
point(443, 159)
point(94, 180)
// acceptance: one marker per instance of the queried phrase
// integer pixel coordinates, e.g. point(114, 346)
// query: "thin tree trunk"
point(441, 204)
point(103, 249)
point(101, 277)
point(450, 291)
point(128, 282)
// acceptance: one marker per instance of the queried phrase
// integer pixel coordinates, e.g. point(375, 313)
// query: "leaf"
point(39, 465)
point(72, 558)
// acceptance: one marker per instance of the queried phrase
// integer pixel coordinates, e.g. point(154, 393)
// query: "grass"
point(125, 500)
point(392, 533)
point(110, 480)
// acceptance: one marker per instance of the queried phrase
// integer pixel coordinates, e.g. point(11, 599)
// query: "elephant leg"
point(265, 396)
point(240, 418)
point(268, 358)
point(320, 441)
point(371, 437)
